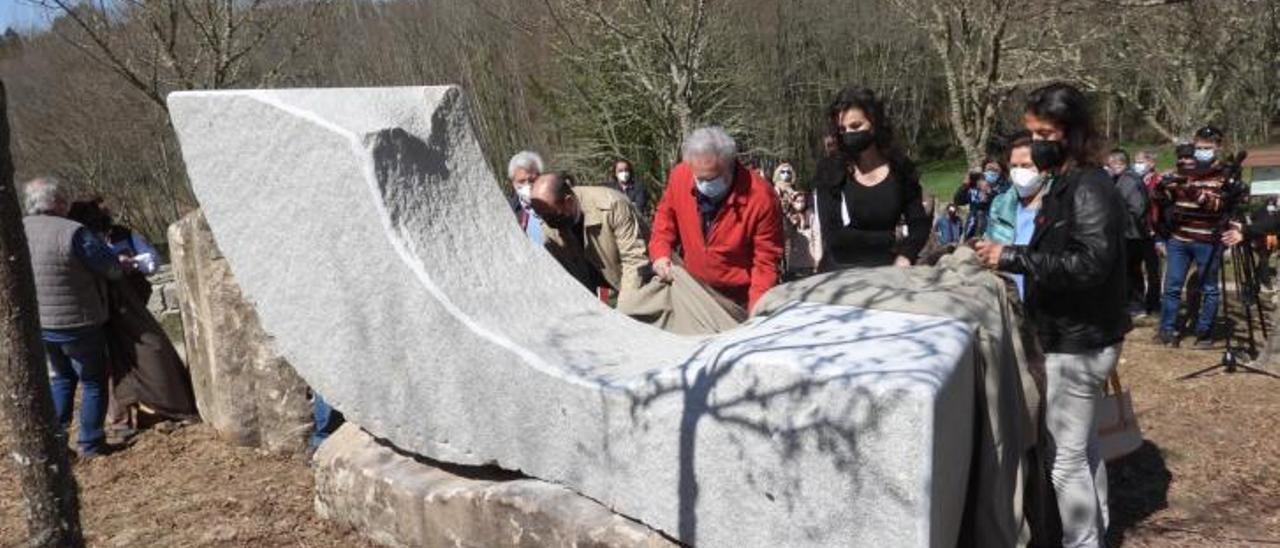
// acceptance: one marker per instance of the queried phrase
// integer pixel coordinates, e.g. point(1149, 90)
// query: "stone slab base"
point(398, 500)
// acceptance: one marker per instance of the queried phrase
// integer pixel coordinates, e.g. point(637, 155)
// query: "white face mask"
point(1026, 181)
point(1140, 168)
point(624, 176)
point(522, 194)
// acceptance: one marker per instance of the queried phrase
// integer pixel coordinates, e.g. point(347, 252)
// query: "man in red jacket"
point(725, 221)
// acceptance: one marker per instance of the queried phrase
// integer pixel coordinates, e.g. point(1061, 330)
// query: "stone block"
point(249, 394)
point(375, 245)
point(155, 303)
point(398, 500)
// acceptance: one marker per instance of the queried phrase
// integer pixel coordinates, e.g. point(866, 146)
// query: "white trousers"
point(1073, 387)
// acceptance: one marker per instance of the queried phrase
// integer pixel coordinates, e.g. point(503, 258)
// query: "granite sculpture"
point(366, 229)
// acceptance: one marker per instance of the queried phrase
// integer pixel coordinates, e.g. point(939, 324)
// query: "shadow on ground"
point(1138, 488)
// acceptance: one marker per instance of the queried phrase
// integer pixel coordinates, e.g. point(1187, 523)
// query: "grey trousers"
point(1073, 387)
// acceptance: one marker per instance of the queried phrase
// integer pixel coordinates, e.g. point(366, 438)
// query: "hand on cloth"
point(662, 269)
point(988, 253)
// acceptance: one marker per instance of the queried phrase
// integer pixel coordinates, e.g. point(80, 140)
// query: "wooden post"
point(26, 405)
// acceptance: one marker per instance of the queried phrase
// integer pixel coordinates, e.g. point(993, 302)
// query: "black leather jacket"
point(1075, 264)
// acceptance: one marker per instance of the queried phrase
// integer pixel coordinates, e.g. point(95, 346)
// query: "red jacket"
point(740, 256)
point(1153, 212)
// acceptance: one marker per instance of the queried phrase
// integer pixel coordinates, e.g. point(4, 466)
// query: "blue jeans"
point(327, 420)
point(1208, 261)
point(80, 359)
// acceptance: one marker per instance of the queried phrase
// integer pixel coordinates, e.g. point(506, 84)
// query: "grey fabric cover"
point(1010, 372)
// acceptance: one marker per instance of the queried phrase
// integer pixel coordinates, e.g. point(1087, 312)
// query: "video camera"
point(1234, 189)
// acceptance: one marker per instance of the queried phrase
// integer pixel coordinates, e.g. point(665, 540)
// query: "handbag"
point(1118, 431)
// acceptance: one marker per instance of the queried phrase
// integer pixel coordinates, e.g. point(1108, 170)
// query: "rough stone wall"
point(249, 394)
point(165, 305)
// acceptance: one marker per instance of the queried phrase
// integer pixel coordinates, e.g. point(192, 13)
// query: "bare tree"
point(984, 59)
point(1177, 63)
point(39, 454)
point(588, 81)
point(634, 77)
point(158, 46)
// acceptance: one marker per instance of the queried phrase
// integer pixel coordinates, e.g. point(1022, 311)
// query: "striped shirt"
point(1197, 205)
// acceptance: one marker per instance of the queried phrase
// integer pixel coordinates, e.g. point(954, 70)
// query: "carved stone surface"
point(368, 232)
point(250, 395)
point(398, 500)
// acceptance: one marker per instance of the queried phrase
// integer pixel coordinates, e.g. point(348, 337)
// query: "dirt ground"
point(1208, 474)
point(188, 488)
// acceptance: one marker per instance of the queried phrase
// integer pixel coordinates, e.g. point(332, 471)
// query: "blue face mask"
point(713, 188)
point(992, 177)
point(1205, 155)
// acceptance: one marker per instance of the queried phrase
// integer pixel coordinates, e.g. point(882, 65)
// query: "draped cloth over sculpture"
point(683, 306)
point(144, 366)
point(1010, 375)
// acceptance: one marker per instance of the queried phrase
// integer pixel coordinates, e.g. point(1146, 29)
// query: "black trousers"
point(1143, 275)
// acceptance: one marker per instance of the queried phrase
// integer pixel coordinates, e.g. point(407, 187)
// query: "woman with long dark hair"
point(867, 190)
point(1075, 295)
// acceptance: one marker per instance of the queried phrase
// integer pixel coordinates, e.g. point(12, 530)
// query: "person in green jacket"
point(1012, 219)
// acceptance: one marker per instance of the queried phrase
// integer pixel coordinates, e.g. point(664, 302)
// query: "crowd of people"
point(1078, 232)
point(1173, 221)
point(1089, 239)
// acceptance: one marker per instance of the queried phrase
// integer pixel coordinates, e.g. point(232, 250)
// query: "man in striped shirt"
point(1194, 201)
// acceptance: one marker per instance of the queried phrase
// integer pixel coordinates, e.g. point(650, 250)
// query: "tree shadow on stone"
point(752, 406)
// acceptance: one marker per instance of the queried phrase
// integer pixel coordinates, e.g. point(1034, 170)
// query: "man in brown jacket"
point(593, 231)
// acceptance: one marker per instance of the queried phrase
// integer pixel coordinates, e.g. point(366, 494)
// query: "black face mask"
point(854, 142)
point(1047, 155)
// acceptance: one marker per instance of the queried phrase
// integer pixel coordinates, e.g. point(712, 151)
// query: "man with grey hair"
point(522, 170)
point(71, 264)
point(724, 221)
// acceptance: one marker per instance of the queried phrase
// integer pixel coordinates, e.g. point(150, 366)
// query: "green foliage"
point(941, 178)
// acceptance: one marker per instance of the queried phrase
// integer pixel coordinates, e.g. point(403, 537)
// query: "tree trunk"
point(26, 406)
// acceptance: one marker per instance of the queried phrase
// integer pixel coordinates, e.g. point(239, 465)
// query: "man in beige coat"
point(593, 231)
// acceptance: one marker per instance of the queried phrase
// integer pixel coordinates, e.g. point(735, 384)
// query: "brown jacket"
point(613, 243)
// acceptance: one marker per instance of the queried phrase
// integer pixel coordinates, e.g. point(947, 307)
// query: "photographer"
point(1193, 201)
point(977, 192)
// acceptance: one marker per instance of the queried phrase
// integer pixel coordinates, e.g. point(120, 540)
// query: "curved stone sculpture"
point(366, 229)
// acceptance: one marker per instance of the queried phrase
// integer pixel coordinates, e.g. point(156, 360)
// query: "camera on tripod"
point(1234, 189)
point(1239, 350)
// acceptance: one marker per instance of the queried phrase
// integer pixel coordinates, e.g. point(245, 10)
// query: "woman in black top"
point(867, 190)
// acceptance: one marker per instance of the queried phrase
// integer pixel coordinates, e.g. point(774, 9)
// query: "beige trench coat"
point(614, 246)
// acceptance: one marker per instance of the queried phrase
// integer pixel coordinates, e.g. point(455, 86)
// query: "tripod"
point(1244, 274)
